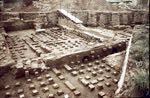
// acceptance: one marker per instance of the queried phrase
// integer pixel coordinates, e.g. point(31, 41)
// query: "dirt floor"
point(88, 69)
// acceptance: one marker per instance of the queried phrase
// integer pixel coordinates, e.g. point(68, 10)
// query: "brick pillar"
point(124, 19)
point(102, 19)
point(115, 19)
point(92, 19)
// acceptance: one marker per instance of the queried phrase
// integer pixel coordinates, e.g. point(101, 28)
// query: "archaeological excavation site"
point(74, 48)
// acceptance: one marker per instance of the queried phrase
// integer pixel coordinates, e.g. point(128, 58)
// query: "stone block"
point(70, 86)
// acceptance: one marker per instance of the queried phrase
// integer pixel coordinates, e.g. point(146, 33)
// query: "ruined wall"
point(106, 18)
point(91, 54)
point(22, 20)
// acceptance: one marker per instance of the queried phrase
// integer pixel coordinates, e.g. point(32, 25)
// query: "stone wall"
point(104, 19)
point(22, 20)
point(89, 54)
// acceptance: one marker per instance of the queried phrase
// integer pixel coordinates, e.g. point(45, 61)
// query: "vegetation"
point(140, 53)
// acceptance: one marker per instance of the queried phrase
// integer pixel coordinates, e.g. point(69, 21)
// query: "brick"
point(107, 84)
point(22, 96)
point(47, 76)
point(42, 84)
point(87, 77)
point(32, 86)
point(7, 94)
point(45, 89)
point(74, 73)
point(19, 91)
point(68, 68)
point(115, 81)
point(102, 66)
point(100, 79)
point(55, 86)
point(90, 65)
point(88, 70)
point(84, 82)
point(82, 66)
point(60, 92)
point(100, 71)
point(17, 84)
point(70, 86)
point(50, 81)
point(61, 77)
point(56, 71)
point(39, 78)
point(108, 69)
point(77, 93)
point(51, 96)
point(35, 92)
point(97, 62)
point(94, 73)
point(91, 87)
point(99, 86)
point(95, 68)
point(107, 77)
point(29, 81)
point(7, 87)
point(81, 71)
point(101, 94)
point(94, 81)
